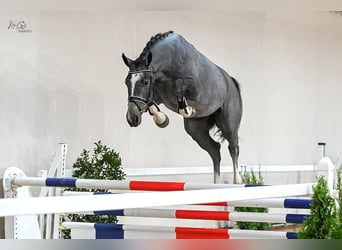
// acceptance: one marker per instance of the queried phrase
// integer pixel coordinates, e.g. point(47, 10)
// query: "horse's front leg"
point(159, 118)
point(184, 109)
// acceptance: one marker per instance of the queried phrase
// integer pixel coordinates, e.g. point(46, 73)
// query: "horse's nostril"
point(133, 121)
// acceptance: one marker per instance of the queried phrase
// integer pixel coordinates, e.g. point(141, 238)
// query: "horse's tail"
point(218, 135)
point(238, 87)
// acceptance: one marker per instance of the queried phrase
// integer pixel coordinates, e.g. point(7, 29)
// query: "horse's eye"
point(146, 82)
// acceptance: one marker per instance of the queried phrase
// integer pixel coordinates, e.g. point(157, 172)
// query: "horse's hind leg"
point(198, 129)
point(234, 153)
point(229, 126)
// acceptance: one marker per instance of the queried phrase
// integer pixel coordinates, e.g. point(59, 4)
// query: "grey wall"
point(64, 82)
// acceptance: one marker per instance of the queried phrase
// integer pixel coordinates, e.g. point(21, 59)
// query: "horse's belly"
point(201, 109)
point(204, 98)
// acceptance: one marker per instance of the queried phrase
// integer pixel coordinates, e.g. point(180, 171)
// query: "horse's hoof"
point(163, 124)
point(238, 181)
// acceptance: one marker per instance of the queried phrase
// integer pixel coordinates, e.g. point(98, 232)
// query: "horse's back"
point(208, 83)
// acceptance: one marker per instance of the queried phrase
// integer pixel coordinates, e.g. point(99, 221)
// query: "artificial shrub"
point(252, 178)
point(104, 163)
point(323, 222)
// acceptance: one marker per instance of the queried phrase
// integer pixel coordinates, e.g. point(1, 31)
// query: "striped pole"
point(120, 185)
point(42, 205)
point(118, 231)
point(296, 203)
point(207, 215)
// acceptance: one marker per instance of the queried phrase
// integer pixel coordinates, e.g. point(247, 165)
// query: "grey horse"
point(172, 71)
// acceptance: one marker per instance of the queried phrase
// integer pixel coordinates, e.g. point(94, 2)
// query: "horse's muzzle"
point(133, 115)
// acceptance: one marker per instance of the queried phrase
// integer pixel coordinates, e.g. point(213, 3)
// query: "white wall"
point(64, 82)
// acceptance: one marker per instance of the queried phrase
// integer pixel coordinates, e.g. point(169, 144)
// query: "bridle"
point(138, 99)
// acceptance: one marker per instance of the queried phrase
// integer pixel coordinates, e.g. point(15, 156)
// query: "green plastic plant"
point(339, 189)
point(103, 163)
point(323, 222)
point(252, 178)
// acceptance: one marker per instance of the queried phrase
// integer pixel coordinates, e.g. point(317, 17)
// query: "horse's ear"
point(149, 58)
point(126, 60)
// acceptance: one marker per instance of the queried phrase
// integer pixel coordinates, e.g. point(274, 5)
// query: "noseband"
point(138, 99)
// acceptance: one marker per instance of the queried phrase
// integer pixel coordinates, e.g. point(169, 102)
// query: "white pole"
point(322, 144)
point(11, 207)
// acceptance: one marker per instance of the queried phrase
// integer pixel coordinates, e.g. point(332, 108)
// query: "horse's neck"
point(169, 73)
point(163, 90)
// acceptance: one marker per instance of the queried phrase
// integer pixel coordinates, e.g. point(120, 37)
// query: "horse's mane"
point(151, 42)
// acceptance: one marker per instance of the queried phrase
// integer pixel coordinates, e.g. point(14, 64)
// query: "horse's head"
point(139, 82)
